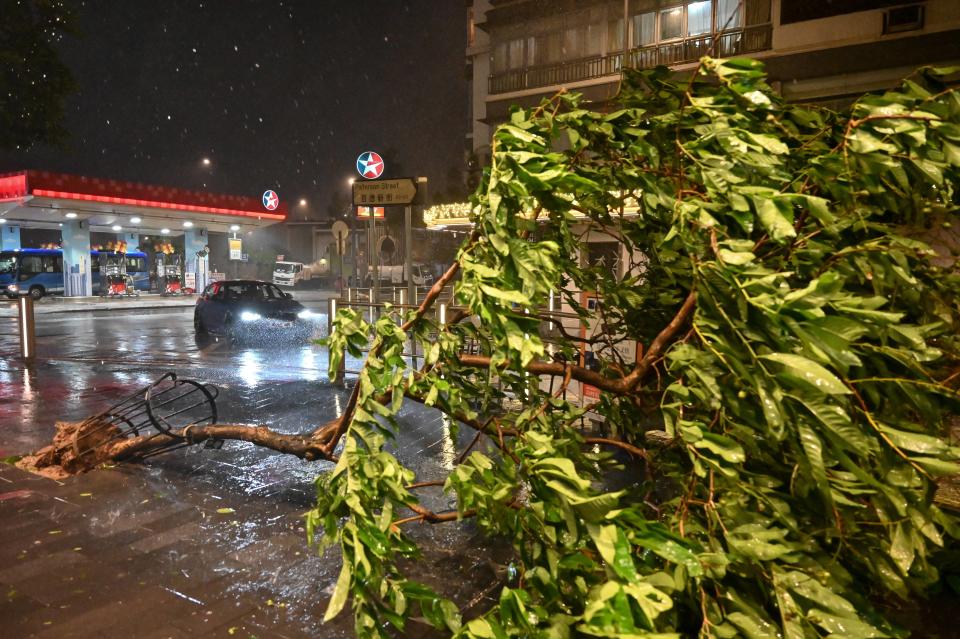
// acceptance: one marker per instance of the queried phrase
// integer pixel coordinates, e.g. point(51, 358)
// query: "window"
point(699, 18)
point(572, 43)
point(593, 43)
point(515, 54)
point(615, 35)
point(729, 15)
point(30, 265)
point(500, 57)
point(645, 29)
point(671, 23)
point(551, 50)
point(903, 19)
point(8, 263)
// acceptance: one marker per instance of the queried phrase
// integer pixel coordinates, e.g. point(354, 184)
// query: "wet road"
point(258, 554)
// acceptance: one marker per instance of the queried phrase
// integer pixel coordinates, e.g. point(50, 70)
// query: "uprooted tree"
point(772, 457)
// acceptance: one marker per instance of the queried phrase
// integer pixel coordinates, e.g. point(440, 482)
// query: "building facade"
point(520, 51)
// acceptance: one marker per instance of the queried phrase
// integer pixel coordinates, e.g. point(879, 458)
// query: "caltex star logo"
point(370, 165)
point(271, 200)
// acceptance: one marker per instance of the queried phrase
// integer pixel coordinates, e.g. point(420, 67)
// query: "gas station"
point(78, 206)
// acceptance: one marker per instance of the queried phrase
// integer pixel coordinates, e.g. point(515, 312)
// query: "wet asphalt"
point(215, 534)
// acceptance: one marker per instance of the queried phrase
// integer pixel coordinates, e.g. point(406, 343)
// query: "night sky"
point(280, 94)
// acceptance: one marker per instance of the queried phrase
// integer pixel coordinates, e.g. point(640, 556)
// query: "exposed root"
point(77, 447)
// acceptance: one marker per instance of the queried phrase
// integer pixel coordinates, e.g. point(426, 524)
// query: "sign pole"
point(408, 254)
point(375, 267)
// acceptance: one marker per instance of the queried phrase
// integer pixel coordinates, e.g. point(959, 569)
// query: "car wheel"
point(36, 292)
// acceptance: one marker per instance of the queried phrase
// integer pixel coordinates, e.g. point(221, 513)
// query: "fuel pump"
point(170, 272)
point(114, 280)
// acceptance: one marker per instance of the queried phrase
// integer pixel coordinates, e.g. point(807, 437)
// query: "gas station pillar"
point(196, 266)
point(11, 237)
point(133, 242)
point(77, 276)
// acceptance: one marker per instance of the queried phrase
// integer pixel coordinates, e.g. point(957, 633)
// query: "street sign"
point(340, 232)
point(271, 200)
point(370, 165)
point(236, 248)
point(399, 192)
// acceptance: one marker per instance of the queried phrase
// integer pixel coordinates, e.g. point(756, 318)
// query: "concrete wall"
point(480, 54)
point(854, 28)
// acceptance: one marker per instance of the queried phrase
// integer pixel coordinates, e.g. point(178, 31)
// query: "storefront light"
point(116, 227)
point(187, 224)
point(71, 215)
point(165, 231)
point(135, 220)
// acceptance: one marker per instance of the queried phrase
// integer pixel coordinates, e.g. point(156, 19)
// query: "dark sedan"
point(249, 308)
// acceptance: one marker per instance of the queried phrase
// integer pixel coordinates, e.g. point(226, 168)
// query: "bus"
point(39, 272)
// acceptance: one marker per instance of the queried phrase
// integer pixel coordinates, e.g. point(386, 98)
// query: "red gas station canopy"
point(44, 184)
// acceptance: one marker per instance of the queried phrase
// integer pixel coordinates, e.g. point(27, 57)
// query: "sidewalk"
point(117, 553)
point(60, 304)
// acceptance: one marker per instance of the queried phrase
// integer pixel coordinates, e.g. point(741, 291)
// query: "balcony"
point(724, 45)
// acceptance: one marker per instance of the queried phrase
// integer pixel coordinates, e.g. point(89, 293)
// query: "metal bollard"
point(28, 332)
point(331, 314)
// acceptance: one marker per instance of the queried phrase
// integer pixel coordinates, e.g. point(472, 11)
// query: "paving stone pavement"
point(106, 555)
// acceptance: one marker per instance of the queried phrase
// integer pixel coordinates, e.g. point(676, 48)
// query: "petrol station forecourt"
point(78, 206)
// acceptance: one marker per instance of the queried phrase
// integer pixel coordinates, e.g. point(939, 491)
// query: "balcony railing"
point(723, 45)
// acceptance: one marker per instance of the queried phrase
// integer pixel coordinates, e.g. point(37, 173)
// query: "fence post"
point(28, 333)
point(331, 314)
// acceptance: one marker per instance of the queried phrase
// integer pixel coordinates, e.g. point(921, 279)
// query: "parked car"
point(248, 308)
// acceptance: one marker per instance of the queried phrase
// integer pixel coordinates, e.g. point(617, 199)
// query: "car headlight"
point(305, 314)
point(247, 316)
point(13, 288)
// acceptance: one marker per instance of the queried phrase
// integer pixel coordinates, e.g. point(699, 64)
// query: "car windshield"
point(8, 263)
point(252, 292)
point(284, 268)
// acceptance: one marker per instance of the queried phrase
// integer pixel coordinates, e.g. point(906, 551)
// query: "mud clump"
point(77, 448)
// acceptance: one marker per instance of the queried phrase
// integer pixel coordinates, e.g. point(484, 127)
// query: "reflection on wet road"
point(87, 361)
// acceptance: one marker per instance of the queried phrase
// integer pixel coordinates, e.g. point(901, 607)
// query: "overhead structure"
point(77, 205)
point(40, 199)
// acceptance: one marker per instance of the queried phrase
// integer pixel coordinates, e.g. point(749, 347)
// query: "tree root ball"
point(77, 447)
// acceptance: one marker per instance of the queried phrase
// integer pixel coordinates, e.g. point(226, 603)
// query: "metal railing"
point(395, 295)
point(724, 44)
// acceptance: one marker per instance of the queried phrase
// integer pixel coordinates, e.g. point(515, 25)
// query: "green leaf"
point(810, 372)
point(340, 593)
point(773, 219)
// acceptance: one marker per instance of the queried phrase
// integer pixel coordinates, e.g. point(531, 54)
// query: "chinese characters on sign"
point(399, 192)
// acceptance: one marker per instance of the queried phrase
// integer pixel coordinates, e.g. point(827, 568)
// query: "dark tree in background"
point(34, 81)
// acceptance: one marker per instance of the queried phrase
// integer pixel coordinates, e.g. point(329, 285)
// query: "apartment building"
point(521, 51)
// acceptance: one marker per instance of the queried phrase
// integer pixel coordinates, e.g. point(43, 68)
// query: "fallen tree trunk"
point(78, 447)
